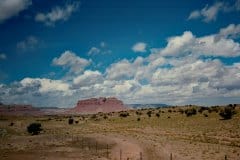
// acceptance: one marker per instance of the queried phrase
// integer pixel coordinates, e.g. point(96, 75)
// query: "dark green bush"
point(94, 116)
point(138, 113)
point(214, 109)
point(105, 117)
point(205, 114)
point(181, 111)
point(158, 115)
point(227, 112)
point(190, 112)
point(149, 113)
point(70, 121)
point(201, 109)
point(34, 128)
point(124, 114)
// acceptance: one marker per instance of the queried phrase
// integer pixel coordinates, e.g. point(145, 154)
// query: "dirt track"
point(44, 147)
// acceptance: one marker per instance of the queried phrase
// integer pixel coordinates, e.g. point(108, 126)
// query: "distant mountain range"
point(19, 109)
point(93, 105)
point(137, 106)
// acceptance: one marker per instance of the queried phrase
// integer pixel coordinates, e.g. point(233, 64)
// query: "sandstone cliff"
point(102, 104)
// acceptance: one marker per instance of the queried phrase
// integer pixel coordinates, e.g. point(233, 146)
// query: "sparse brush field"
point(177, 133)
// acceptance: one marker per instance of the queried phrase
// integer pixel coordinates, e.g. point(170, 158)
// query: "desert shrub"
point(124, 114)
point(170, 111)
point(105, 117)
point(138, 113)
point(205, 114)
point(227, 112)
point(34, 128)
point(138, 119)
point(190, 112)
point(70, 121)
point(100, 113)
point(168, 117)
point(157, 115)
point(94, 116)
point(201, 109)
point(97, 119)
point(11, 124)
point(214, 109)
point(76, 122)
point(209, 110)
point(149, 113)
point(181, 111)
point(59, 120)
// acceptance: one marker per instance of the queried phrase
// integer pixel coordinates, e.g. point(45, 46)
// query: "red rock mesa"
point(102, 104)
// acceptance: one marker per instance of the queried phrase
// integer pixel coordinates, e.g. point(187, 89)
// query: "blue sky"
point(53, 53)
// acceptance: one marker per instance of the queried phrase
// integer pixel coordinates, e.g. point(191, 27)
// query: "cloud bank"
point(188, 70)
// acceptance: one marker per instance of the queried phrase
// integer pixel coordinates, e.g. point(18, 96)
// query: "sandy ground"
point(43, 147)
point(126, 148)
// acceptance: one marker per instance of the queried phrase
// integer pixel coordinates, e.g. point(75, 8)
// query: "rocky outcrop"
point(95, 105)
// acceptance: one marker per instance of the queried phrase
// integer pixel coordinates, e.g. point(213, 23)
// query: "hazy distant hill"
point(135, 106)
point(19, 109)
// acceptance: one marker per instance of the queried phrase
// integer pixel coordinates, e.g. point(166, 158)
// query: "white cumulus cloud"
point(46, 85)
point(88, 78)
point(70, 60)
point(123, 69)
point(219, 44)
point(10, 8)
point(231, 31)
point(57, 14)
point(139, 47)
point(210, 13)
point(94, 51)
point(178, 44)
point(102, 49)
point(31, 42)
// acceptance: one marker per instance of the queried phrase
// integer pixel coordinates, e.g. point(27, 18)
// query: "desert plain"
point(135, 134)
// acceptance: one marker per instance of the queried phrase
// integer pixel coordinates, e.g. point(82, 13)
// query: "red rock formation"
point(95, 105)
